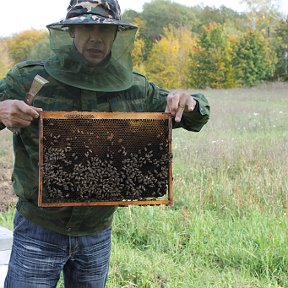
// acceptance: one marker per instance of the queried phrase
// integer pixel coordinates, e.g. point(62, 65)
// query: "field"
point(228, 226)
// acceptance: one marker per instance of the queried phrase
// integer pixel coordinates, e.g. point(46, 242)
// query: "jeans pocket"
point(19, 220)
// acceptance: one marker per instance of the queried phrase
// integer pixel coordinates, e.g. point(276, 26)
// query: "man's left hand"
point(179, 101)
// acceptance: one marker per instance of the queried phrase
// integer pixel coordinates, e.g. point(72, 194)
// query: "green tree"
point(21, 45)
point(253, 59)
point(41, 50)
point(219, 15)
point(139, 48)
point(159, 14)
point(212, 62)
point(280, 46)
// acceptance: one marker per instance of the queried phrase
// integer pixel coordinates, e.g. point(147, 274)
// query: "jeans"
point(39, 255)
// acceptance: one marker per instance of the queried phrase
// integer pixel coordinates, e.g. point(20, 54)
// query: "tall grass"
point(228, 226)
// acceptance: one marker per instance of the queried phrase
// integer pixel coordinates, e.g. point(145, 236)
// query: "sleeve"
point(195, 120)
point(11, 88)
point(2, 98)
point(191, 121)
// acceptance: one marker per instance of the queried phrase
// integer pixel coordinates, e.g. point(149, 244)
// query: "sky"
point(35, 14)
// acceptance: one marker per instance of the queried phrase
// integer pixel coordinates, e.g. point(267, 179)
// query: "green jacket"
point(56, 96)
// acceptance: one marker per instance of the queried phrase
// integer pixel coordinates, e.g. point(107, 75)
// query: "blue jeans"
point(39, 255)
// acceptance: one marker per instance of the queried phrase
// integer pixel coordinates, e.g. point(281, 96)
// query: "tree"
point(212, 62)
point(5, 60)
point(159, 14)
point(21, 45)
point(219, 15)
point(262, 6)
point(254, 60)
point(168, 63)
point(263, 14)
point(41, 50)
point(139, 48)
point(280, 45)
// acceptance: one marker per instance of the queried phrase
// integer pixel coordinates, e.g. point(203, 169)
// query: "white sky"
point(35, 14)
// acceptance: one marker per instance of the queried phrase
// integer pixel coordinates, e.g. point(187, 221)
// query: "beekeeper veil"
point(69, 66)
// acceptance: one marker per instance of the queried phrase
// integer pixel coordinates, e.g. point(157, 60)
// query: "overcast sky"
point(36, 14)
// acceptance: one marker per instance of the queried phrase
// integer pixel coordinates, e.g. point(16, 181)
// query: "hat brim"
point(91, 19)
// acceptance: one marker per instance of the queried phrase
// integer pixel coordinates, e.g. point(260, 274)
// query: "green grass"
point(228, 226)
point(180, 246)
point(6, 218)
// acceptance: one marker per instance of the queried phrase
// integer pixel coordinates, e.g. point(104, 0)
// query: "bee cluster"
point(84, 162)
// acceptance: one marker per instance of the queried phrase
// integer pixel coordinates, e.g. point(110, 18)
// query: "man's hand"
point(17, 114)
point(179, 101)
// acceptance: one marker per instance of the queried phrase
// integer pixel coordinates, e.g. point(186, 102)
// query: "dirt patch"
point(8, 197)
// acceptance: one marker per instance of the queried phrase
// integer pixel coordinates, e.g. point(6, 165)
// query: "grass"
point(179, 248)
point(228, 226)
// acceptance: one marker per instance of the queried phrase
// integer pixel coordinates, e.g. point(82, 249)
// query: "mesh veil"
point(70, 67)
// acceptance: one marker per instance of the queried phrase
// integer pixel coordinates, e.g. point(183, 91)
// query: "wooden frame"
point(102, 117)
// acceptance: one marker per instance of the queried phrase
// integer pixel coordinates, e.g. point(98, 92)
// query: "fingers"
point(179, 101)
point(36, 112)
point(24, 112)
point(16, 113)
point(191, 104)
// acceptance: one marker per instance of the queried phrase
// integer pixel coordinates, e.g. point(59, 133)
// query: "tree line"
point(190, 47)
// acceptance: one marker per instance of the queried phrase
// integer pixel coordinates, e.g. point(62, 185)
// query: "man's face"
point(94, 42)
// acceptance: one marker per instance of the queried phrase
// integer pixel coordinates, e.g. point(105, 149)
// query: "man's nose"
point(95, 34)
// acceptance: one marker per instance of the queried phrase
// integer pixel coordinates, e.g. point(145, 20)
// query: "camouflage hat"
point(87, 12)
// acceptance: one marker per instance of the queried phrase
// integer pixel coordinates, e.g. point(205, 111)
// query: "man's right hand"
point(17, 114)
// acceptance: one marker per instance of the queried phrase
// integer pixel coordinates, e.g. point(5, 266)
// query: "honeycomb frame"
point(105, 158)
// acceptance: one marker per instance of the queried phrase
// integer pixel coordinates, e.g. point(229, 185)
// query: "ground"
point(8, 197)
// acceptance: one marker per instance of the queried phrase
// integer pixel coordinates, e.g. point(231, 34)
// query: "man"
point(91, 71)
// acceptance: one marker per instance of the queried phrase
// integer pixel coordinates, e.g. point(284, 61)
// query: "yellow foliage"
point(168, 63)
point(139, 48)
point(5, 61)
point(212, 63)
point(22, 44)
point(137, 55)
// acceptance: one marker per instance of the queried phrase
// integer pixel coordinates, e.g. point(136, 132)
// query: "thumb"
point(167, 109)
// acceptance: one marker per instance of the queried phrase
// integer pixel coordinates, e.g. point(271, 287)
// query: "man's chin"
point(94, 59)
